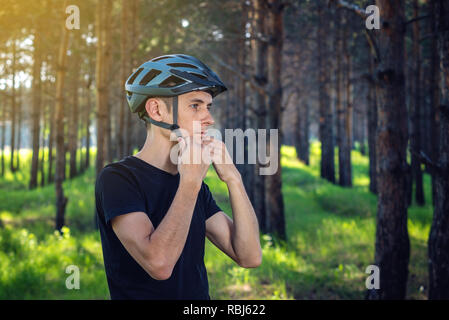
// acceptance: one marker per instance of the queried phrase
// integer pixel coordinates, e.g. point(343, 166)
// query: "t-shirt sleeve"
point(118, 193)
point(209, 202)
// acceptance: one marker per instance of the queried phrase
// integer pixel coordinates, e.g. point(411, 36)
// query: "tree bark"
point(13, 107)
point(415, 136)
point(245, 169)
point(261, 77)
point(327, 167)
point(435, 92)
point(345, 175)
point(392, 241)
point(302, 132)
point(101, 86)
point(19, 126)
point(273, 190)
point(42, 143)
point(3, 136)
point(51, 139)
point(372, 130)
point(73, 125)
point(61, 200)
point(124, 59)
point(36, 110)
point(344, 106)
point(87, 123)
point(108, 144)
point(438, 243)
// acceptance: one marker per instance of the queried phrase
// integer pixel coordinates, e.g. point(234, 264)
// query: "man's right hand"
point(192, 165)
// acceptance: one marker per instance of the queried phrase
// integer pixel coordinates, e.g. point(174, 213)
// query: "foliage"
point(331, 233)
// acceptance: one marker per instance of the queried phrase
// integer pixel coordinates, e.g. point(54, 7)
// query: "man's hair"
point(168, 103)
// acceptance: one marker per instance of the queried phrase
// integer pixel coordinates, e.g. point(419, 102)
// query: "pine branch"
point(417, 19)
point(361, 13)
point(350, 6)
point(424, 158)
point(241, 75)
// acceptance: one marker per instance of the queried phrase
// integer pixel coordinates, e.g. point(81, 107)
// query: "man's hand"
point(191, 165)
point(222, 161)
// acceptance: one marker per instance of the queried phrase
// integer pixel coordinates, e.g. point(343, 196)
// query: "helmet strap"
point(165, 125)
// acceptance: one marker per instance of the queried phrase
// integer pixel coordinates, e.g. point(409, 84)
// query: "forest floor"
point(330, 229)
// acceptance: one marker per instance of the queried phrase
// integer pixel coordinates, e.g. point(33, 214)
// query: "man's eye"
point(195, 105)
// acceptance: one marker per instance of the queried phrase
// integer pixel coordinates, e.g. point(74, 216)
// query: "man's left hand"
point(222, 161)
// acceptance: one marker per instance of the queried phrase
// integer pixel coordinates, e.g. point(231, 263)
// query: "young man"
point(154, 214)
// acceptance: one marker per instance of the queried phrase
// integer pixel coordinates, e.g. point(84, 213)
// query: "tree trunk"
point(131, 120)
point(100, 84)
point(87, 123)
point(42, 143)
point(327, 166)
point(61, 200)
point(435, 92)
point(415, 136)
point(344, 106)
point(302, 132)
point(3, 136)
point(36, 110)
point(124, 74)
point(19, 126)
point(13, 107)
point(372, 130)
point(73, 125)
point(438, 243)
point(261, 77)
point(245, 169)
point(273, 190)
point(392, 241)
point(362, 130)
point(51, 138)
point(103, 10)
point(345, 175)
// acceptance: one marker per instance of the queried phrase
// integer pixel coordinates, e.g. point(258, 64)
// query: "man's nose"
point(209, 120)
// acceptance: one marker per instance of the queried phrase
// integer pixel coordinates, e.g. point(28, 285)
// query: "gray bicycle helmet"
point(169, 76)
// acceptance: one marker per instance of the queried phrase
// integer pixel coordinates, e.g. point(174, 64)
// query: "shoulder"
point(204, 188)
point(205, 193)
point(116, 172)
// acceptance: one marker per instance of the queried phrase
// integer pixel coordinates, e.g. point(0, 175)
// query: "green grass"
point(331, 234)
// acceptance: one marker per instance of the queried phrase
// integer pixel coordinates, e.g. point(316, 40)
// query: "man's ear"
point(152, 106)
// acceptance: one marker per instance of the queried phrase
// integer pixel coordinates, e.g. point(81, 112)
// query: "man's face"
point(195, 106)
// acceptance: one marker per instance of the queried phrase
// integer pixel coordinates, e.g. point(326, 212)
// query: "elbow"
point(159, 271)
point(161, 274)
point(251, 263)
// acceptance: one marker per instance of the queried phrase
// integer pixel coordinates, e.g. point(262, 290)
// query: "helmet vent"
point(185, 57)
point(185, 65)
point(160, 58)
point(198, 75)
point(171, 81)
point(134, 76)
point(149, 76)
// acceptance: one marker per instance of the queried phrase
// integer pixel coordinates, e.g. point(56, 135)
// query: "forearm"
point(167, 241)
point(245, 238)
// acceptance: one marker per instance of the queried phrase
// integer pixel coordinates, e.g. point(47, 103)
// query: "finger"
point(182, 145)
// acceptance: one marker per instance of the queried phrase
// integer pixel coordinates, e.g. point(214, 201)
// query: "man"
point(154, 213)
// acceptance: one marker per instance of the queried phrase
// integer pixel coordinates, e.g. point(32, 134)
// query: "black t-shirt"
point(131, 185)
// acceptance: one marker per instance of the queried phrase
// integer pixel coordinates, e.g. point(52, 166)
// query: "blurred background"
point(362, 115)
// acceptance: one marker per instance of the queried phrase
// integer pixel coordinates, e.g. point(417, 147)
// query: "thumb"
point(182, 144)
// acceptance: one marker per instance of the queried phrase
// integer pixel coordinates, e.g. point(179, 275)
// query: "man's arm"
point(158, 250)
point(237, 237)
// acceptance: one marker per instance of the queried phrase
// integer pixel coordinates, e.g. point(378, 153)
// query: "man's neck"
point(156, 151)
